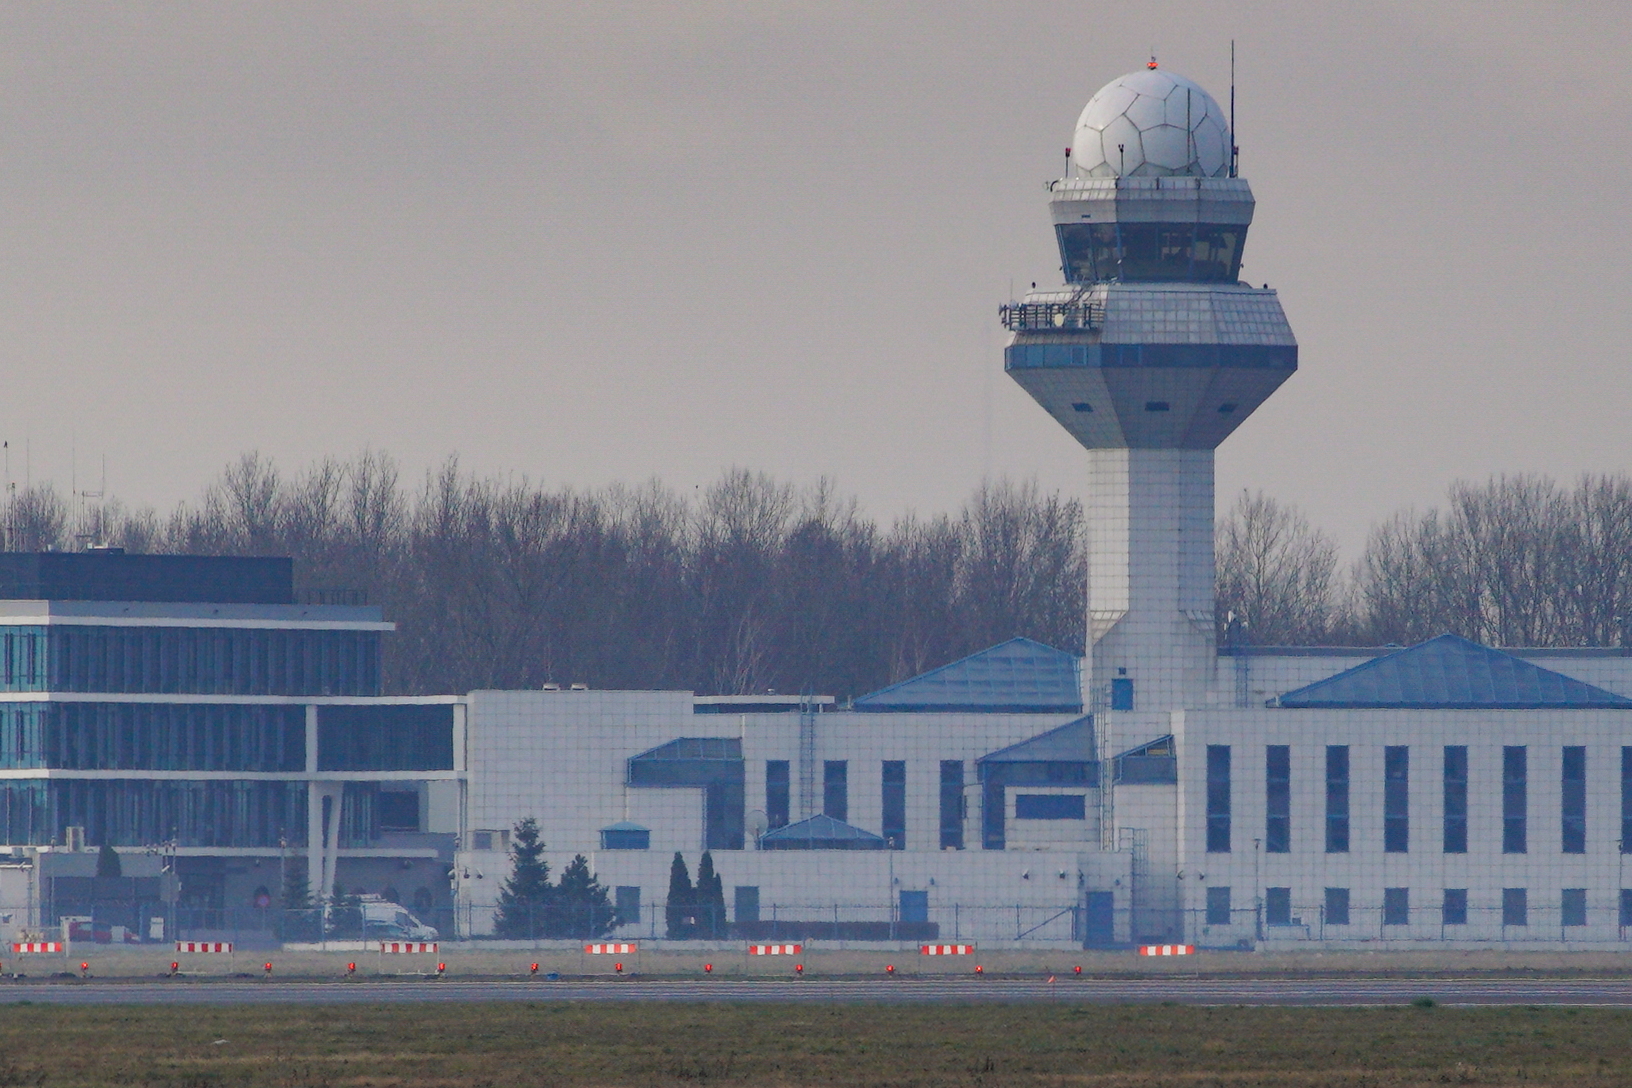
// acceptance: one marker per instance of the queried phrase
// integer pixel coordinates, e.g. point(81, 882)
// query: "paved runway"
point(1615, 993)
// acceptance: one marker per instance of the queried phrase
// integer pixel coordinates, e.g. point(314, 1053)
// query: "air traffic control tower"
point(1151, 355)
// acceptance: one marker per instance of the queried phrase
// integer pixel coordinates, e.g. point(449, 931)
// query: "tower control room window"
point(1151, 252)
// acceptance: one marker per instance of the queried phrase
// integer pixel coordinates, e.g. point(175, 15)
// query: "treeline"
point(752, 585)
point(1514, 561)
point(745, 586)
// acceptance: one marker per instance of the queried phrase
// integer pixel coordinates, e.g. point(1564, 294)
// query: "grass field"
point(472, 1045)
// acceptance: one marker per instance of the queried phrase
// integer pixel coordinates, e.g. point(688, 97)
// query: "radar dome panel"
point(1152, 124)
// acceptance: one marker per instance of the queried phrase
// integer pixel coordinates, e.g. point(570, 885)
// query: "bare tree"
point(1277, 576)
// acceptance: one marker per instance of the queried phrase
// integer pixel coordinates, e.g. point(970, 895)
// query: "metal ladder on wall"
point(1099, 704)
point(807, 758)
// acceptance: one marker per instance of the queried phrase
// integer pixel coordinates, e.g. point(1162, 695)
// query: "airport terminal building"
point(1160, 788)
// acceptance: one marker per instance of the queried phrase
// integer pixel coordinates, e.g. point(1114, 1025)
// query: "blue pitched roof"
point(1451, 673)
point(821, 832)
point(1019, 676)
point(1072, 742)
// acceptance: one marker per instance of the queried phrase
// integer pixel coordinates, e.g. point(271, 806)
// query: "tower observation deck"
point(1150, 355)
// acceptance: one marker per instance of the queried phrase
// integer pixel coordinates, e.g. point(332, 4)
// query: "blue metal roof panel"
point(1017, 676)
point(1451, 673)
point(820, 828)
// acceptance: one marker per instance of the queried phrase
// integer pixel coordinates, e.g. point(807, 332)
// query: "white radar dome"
point(1152, 124)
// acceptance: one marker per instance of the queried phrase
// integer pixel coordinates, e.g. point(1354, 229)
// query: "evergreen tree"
point(710, 899)
point(582, 909)
point(345, 915)
point(299, 920)
point(107, 862)
point(680, 911)
point(525, 899)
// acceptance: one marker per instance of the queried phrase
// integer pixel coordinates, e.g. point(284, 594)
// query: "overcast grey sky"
point(598, 242)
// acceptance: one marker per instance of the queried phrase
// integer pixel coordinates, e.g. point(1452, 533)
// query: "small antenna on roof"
point(1235, 148)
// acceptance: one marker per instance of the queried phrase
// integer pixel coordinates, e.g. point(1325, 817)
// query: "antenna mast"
point(1235, 148)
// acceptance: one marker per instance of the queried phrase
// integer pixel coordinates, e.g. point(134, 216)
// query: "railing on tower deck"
point(1052, 316)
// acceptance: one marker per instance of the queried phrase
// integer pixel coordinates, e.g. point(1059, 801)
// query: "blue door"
point(1099, 920)
point(914, 906)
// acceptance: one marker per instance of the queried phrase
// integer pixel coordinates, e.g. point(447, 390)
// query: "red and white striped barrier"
point(775, 949)
point(204, 946)
point(423, 947)
point(36, 946)
point(1167, 950)
point(609, 949)
point(948, 950)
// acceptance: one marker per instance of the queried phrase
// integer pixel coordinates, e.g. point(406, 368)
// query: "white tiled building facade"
point(1158, 789)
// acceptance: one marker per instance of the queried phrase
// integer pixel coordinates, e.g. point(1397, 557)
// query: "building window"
point(1049, 806)
point(1337, 907)
point(1396, 799)
point(836, 789)
point(1573, 906)
point(1626, 907)
point(1626, 800)
point(625, 836)
point(1337, 799)
point(1515, 907)
point(745, 903)
point(399, 810)
point(1396, 906)
point(1456, 799)
point(952, 813)
point(1278, 906)
point(626, 901)
point(1218, 798)
point(1573, 801)
point(1122, 693)
point(1515, 802)
point(776, 793)
point(1218, 906)
point(1454, 911)
point(1277, 799)
point(894, 827)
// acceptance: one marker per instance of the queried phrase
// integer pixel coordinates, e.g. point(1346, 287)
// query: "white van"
point(384, 920)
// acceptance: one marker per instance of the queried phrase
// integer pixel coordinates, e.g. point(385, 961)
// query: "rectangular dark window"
point(1049, 806)
point(1218, 798)
point(399, 810)
point(626, 901)
point(1337, 907)
point(1337, 799)
point(1122, 693)
point(1515, 800)
point(952, 814)
point(1626, 800)
point(745, 903)
point(1396, 799)
point(836, 789)
point(1278, 906)
point(1626, 907)
point(1218, 906)
point(894, 827)
point(1454, 911)
point(1277, 799)
point(1573, 801)
point(776, 793)
point(1515, 907)
point(1456, 799)
point(1396, 906)
point(1572, 906)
